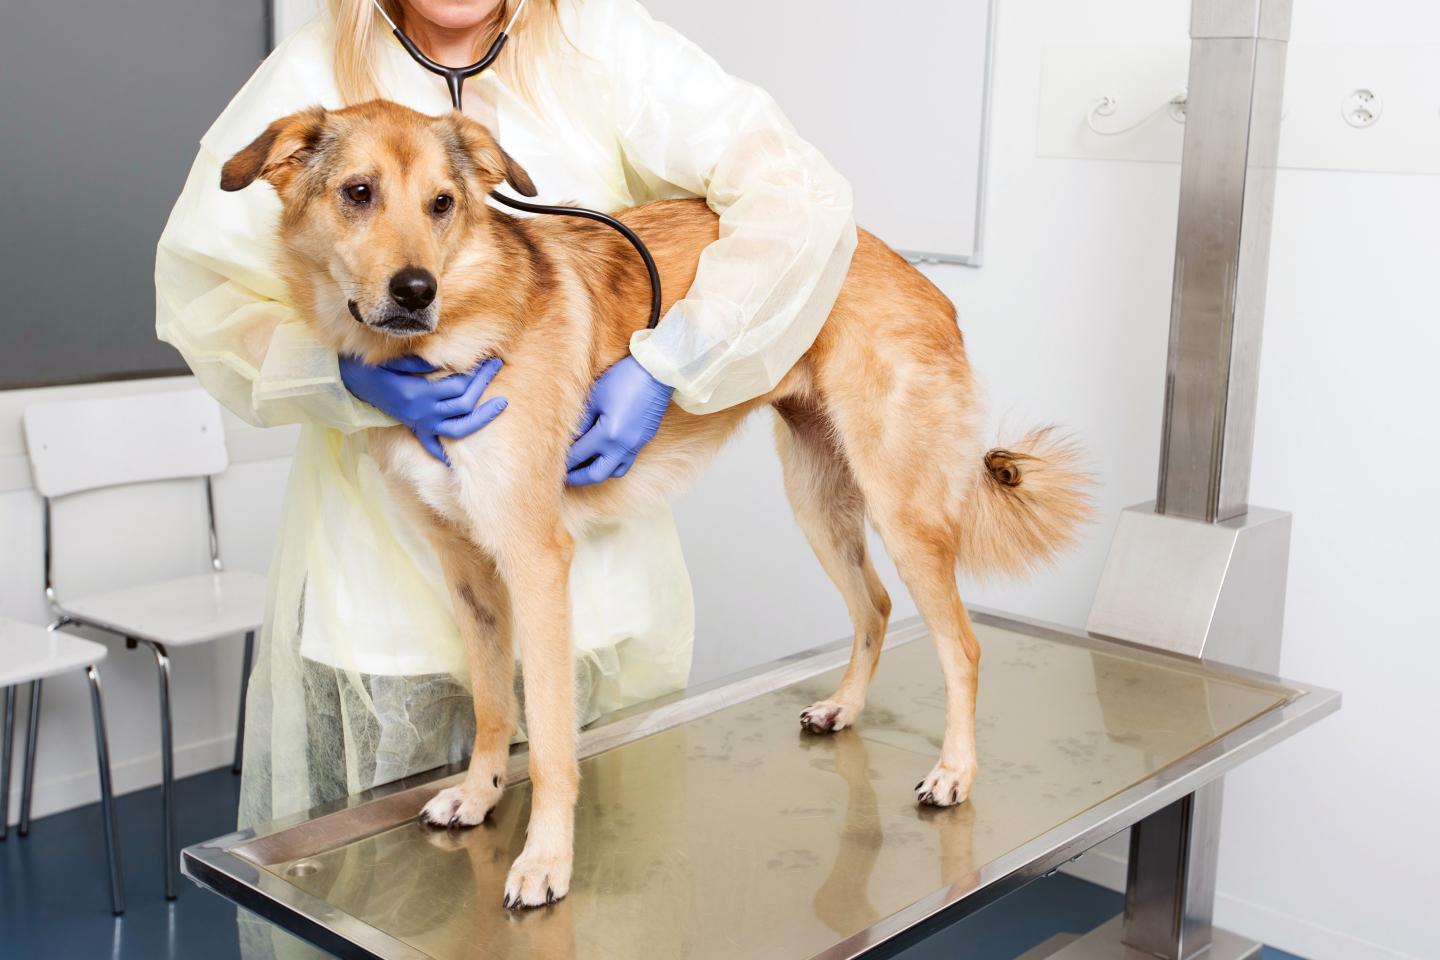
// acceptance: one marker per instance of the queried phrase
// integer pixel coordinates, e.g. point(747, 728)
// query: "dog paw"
point(827, 716)
point(537, 879)
point(945, 785)
point(458, 807)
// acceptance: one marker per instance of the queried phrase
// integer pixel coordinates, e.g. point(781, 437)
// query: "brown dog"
point(878, 419)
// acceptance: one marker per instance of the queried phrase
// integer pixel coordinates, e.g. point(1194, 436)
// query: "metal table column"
point(1201, 572)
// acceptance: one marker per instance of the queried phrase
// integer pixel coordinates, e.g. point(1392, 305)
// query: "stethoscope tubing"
point(609, 221)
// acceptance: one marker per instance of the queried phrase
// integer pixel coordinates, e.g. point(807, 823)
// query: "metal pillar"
point(1170, 877)
point(1169, 892)
point(1222, 255)
point(1200, 572)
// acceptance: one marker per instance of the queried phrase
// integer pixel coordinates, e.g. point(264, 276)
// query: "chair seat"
point(28, 652)
point(179, 612)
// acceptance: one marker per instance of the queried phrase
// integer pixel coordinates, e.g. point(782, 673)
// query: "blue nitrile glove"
point(448, 407)
point(624, 413)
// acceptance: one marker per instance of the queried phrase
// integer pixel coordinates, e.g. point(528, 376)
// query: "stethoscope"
point(455, 78)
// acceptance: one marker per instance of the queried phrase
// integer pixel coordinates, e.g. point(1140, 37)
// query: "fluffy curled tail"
point(1027, 506)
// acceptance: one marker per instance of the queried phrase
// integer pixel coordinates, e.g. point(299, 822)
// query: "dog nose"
point(413, 288)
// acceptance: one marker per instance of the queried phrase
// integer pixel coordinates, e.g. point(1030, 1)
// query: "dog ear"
point(476, 148)
point(278, 153)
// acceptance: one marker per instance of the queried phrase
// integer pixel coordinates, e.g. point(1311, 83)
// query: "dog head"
point(383, 215)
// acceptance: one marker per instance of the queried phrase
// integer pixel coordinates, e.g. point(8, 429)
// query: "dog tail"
point(1027, 506)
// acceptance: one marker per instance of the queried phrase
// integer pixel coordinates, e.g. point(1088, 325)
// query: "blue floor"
point(54, 904)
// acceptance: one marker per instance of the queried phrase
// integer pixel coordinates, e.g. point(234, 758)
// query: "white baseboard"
point(137, 773)
point(1296, 935)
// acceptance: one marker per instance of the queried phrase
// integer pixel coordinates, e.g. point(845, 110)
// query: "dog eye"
point(358, 193)
point(443, 203)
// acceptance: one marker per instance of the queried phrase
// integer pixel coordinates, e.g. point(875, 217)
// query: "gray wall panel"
point(102, 104)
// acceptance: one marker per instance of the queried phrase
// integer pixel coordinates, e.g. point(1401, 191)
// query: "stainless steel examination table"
point(710, 825)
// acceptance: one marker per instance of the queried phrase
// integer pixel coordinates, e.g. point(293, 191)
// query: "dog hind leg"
point(926, 561)
point(924, 423)
point(830, 510)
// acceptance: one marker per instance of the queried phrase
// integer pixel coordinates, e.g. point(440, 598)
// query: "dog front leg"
point(482, 612)
point(537, 572)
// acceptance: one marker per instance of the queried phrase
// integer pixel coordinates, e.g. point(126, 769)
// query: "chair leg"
point(6, 751)
point(32, 737)
point(244, 695)
point(107, 795)
point(167, 767)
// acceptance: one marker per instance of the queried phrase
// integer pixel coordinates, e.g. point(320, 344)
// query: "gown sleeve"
point(787, 229)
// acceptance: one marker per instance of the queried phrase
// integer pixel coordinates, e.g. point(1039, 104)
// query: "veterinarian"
point(361, 677)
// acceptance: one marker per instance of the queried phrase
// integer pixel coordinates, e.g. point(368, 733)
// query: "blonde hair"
point(359, 29)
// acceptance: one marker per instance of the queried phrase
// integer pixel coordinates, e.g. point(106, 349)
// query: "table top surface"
point(721, 829)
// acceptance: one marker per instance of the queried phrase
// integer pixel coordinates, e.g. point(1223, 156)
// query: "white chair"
point(91, 444)
point(29, 654)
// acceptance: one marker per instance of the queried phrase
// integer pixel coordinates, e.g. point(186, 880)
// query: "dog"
point(389, 248)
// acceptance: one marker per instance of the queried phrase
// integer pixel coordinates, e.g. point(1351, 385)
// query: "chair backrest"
point(88, 444)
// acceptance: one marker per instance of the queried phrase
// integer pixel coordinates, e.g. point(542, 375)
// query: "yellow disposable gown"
point(361, 677)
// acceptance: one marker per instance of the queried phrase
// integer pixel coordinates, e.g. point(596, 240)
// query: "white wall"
point(1327, 839)
point(114, 538)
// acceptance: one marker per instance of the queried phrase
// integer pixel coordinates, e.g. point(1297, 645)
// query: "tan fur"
point(1029, 503)
point(878, 420)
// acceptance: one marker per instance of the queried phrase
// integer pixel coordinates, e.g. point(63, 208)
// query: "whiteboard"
point(894, 94)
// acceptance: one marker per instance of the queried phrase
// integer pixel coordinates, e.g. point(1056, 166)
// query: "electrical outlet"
point(1362, 108)
point(1372, 107)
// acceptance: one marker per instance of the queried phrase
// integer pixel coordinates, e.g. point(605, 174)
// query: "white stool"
point(93, 444)
point(30, 654)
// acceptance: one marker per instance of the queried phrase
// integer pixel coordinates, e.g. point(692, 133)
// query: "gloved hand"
point(448, 407)
point(623, 414)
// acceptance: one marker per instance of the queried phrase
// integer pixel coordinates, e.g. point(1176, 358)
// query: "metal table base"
point(710, 825)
